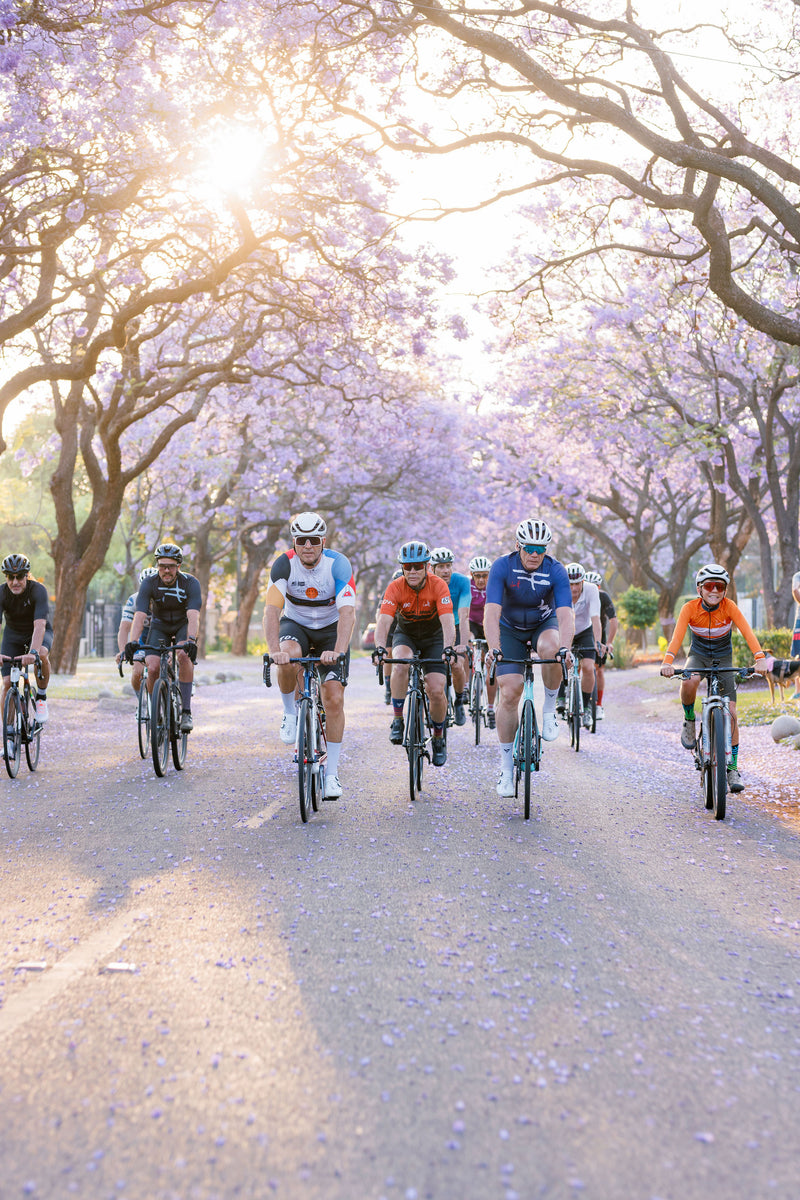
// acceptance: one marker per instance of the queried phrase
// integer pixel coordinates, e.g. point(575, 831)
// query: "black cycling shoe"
point(490, 719)
point(439, 747)
point(461, 716)
point(396, 732)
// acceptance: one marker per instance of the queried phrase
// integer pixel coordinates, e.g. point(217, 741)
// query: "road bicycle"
point(418, 732)
point(310, 743)
point(574, 710)
point(528, 738)
point(166, 711)
point(478, 710)
point(142, 714)
point(19, 715)
point(712, 749)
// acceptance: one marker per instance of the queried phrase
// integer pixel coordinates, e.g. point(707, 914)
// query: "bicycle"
point(311, 746)
point(528, 738)
point(574, 709)
point(166, 711)
point(477, 687)
point(19, 714)
point(712, 749)
point(142, 714)
point(418, 732)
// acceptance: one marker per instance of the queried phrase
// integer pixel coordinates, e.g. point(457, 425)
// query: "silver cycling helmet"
point(146, 572)
point(442, 555)
point(593, 577)
point(533, 532)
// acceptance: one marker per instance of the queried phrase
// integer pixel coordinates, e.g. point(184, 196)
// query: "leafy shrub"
point(638, 608)
point(775, 641)
point(623, 654)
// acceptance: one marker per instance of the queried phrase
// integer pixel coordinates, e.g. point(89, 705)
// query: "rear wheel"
point(12, 732)
point(717, 765)
point(477, 706)
point(575, 713)
point(143, 717)
point(305, 777)
point(320, 757)
point(33, 740)
point(526, 733)
point(177, 739)
point(159, 726)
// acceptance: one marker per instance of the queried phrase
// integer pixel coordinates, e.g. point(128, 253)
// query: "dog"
point(780, 672)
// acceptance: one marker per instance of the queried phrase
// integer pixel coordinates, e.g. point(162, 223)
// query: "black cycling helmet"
point(168, 550)
point(14, 563)
point(413, 552)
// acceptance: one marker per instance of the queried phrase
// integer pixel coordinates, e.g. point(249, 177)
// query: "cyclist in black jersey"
point(27, 630)
point(173, 600)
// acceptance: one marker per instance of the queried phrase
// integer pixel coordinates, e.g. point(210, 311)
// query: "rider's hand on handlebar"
point(378, 653)
point(762, 666)
point(130, 650)
point(450, 653)
point(281, 659)
point(667, 670)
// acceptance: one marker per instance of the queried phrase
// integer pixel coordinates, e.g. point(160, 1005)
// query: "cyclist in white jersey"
point(586, 607)
point(310, 610)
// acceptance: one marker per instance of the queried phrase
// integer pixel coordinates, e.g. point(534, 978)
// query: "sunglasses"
point(16, 574)
point(533, 549)
point(408, 568)
point(167, 566)
point(308, 541)
point(714, 587)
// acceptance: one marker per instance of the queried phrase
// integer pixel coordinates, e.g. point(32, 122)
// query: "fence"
point(100, 625)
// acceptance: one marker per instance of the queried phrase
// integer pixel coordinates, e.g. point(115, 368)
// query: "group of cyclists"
point(525, 603)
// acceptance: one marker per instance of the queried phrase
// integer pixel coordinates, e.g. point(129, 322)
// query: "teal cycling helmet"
point(411, 553)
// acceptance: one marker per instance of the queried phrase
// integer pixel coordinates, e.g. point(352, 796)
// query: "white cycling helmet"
point(593, 577)
point(575, 573)
point(308, 524)
point(441, 554)
point(712, 572)
point(146, 572)
point(479, 563)
point(534, 533)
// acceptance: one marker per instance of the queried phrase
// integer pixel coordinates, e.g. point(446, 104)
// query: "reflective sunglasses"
point(16, 574)
point(529, 549)
point(715, 587)
point(414, 566)
point(308, 541)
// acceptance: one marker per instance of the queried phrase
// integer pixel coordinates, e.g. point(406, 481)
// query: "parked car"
point(368, 637)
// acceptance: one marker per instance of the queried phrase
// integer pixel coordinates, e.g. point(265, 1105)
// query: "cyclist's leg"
point(509, 691)
point(332, 691)
point(293, 640)
point(155, 635)
point(403, 648)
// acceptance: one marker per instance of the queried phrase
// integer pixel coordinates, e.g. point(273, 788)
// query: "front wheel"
point(526, 734)
point(33, 740)
point(477, 706)
point(12, 731)
point(593, 708)
point(177, 739)
point(305, 764)
point(414, 744)
point(575, 713)
point(159, 726)
point(143, 719)
point(717, 764)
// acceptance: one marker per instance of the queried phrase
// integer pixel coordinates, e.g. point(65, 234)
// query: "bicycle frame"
point(713, 748)
point(477, 685)
point(166, 710)
point(418, 730)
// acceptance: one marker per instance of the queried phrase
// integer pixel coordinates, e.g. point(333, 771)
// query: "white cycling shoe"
point(549, 727)
point(506, 785)
point(288, 728)
point(333, 788)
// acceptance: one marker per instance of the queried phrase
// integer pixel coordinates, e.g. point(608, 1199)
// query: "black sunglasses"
point(16, 574)
point(308, 541)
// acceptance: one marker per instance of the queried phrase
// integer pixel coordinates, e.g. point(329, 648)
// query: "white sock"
point(549, 705)
point(332, 763)
point(507, 757)
point(289, 703)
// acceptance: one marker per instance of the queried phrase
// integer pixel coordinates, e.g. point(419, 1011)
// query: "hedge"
point(774, 641)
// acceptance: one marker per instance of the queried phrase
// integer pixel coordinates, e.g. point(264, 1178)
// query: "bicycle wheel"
point(593, 708)
point(159, 726)
point(34, 733)
point(526, 753)
point(305, 764)
point(178, 740)
point(536, 742)
point(143, 718)
point(414, 744)
point(12, 742)
point(477, 706)
point(575, 713)
point(318, 772)
point(717, 765)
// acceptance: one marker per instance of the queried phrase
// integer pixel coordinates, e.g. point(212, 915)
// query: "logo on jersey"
point(312, 593)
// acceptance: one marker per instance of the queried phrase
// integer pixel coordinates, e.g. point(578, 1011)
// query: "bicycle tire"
point(34, 733)
point(536, 743)
point(159, 727)
point(304, 754)
point(422, 713)
point(143, 718)
point(178, 740)
point(717, 764)
point(12, 718)
point(526, 754)
point(321, 755)
point(413, 745)
point(593, 708)
point(477, 703)
point(575, 713)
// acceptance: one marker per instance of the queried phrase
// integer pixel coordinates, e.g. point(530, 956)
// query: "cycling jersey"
point(417, 611)
point(312, 596)
point(477, 603)
point(711, 630)
point(586, 606)
point(20, 612)
point(129, 608)
point(527, 598)
point(607, 611)
point(460, 592)
point(168, 603)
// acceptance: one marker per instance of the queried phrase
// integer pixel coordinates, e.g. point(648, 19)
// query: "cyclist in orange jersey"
point(710, 620)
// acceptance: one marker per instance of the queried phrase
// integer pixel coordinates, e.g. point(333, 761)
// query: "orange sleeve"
point(741, 623)
point(391, 599)
point(678, 635)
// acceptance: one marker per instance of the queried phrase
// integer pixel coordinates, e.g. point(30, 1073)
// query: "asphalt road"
point(438, 1000)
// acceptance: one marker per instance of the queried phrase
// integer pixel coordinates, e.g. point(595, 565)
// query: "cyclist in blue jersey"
point(442, 561)
point(528, 609)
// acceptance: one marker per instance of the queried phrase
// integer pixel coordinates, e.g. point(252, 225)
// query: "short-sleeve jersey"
point(312, 596)
point(477, 603)
point(460, 592)
point(128, 610)
point(527, 598)
point(21, 611)
point(169, 603)
point(607, 611)
point(586, 606)
point(417, 612)
point(711, 630)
